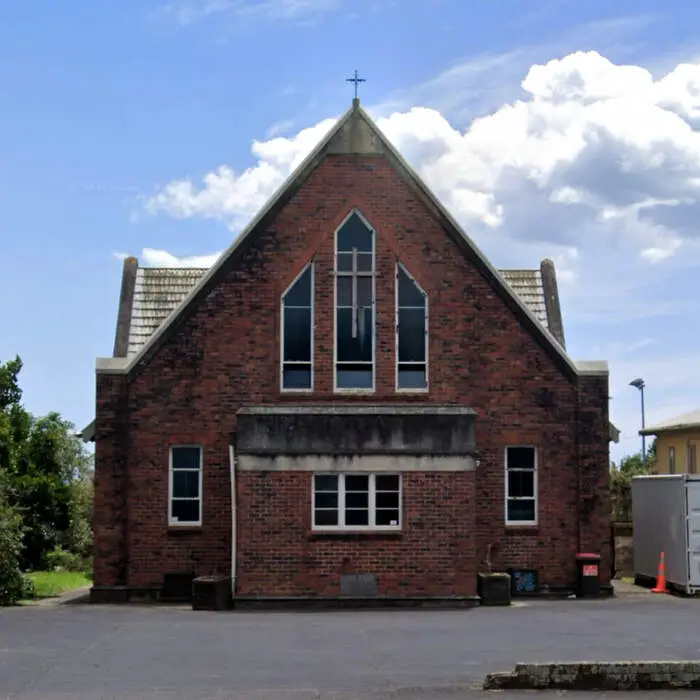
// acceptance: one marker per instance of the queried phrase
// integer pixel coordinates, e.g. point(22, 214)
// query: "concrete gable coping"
point(592, 367)
point(112, 365)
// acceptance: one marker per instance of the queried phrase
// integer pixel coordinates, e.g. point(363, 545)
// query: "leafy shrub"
point(11, 587)
point(11, 532)
point(79, 534)
point(621, 485)
point(28, 588)
point(59, 559)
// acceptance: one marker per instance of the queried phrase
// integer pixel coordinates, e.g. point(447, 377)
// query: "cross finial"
point(357, 80)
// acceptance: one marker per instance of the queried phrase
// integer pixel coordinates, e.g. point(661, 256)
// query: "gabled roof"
point(354, 133)
point(157, 291)
point(685, 421)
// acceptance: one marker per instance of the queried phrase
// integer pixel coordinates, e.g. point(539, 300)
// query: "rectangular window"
point(357, 501)
point(354, 305)
point(185, 485)
point(411, 333)
point(298, 333)
point(692, 458)
point(671, 460)
point(521, 486)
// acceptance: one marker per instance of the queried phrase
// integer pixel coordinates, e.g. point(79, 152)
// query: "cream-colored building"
point(677, 443)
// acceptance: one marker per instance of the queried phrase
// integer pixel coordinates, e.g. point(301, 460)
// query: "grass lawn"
point(49, 584)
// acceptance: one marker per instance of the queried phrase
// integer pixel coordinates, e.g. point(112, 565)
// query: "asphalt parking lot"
point(98, 652)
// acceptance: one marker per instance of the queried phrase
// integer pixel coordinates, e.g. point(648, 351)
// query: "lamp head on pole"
point(637, 383)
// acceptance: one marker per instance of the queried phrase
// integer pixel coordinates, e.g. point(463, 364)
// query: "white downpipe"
point(232, 460)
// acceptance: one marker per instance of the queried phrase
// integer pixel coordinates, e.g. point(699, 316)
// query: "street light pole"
point(639, 384)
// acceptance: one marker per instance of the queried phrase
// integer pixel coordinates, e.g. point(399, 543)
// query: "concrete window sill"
point(522, 529)
point(184, 529)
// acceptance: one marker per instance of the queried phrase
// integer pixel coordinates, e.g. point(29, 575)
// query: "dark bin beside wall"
point(494, 588)
point(587, 575)
point(211, 593)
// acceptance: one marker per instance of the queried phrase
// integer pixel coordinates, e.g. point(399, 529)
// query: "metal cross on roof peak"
point(357, 80)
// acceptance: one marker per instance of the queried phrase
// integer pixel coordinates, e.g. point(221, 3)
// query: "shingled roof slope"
point(159, 290)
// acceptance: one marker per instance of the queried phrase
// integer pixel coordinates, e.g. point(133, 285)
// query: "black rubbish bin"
point(211, 593)
point(587, 575)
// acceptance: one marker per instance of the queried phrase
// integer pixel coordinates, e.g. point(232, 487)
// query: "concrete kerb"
point(592, 675)
point(81, 595)
point(76, 597)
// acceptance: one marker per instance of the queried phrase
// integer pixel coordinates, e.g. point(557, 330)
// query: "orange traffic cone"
point(661, 578)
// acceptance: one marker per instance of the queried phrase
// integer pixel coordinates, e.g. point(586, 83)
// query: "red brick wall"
point(434, 555)
point(594, 502)
point(109, 518)
point(226, 354)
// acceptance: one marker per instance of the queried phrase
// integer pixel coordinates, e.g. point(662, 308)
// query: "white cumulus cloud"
point(153, 257)
point(592, 144)
point(235, 197)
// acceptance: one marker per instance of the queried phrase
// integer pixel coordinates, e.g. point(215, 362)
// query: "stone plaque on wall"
point(358, 585)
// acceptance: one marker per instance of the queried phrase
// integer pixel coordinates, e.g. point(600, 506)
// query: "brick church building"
point(352, 402)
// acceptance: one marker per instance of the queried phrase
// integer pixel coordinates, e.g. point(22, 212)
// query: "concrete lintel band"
point(356, 463)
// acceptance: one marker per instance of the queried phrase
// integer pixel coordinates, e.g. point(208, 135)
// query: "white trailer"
point(666, 518)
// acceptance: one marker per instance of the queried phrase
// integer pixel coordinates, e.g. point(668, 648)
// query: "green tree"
point(48, 474)
point(78, 538)
point(651, 451)
point(15, 422)
point(11, 532)
point(10, 393)
point(621, 482)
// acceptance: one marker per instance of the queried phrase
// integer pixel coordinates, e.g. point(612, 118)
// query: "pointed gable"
point(354, 134)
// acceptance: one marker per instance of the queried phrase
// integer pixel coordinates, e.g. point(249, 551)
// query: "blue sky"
point(158, 129)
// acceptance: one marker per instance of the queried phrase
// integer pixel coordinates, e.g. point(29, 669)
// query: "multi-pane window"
point(297, 332)
point(354, 305)
point(357, 501)
point(185, 486)
point(412, 332)
point(521, 485)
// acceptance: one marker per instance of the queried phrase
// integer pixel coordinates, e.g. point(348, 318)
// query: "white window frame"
point(200, 470)
point(336, 274)
point(426, 331)
point(372, 501)
point(313, 332)
point(535, 496)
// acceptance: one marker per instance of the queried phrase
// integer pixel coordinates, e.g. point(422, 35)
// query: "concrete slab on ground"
point(79, 595)
point(162, 653)
point(624, 588)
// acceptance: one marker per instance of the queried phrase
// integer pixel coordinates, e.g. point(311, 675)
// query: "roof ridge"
point(173, 267)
